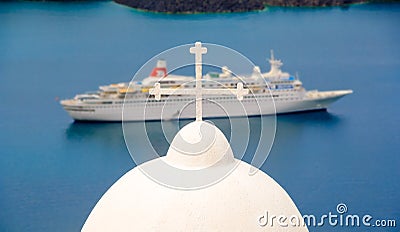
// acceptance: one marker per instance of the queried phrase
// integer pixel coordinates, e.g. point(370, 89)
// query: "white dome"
point(234, 203)
point(199, 145)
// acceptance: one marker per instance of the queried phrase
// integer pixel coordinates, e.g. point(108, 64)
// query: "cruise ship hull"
point(214, 108)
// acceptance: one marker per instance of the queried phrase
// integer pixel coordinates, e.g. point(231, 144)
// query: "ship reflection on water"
point(148, 140)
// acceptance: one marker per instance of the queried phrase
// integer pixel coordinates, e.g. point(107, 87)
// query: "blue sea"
point(53, 170)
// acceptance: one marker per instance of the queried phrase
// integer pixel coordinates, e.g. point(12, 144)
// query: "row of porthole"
point(161, 103)
point(286, 99)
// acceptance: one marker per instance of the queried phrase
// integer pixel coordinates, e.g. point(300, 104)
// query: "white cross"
point(198, 50)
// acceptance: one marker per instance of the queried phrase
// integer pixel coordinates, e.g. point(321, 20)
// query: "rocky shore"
point(222, 6)
point(198, 6)
point(194, 6)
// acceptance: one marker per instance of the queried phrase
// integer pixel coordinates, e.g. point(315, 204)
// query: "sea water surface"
point(53, 171)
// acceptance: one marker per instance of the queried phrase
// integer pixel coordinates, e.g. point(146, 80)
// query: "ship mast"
point(275, 64)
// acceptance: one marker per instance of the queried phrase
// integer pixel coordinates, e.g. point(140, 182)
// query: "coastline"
point(219, 6)
point(197, 7)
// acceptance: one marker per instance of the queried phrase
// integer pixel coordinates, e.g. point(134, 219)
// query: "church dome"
point(236, 202)
point(199, 145)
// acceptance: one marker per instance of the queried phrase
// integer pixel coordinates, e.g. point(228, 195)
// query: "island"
point(208, 6)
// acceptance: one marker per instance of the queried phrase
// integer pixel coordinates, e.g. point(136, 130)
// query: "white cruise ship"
point(274, 92)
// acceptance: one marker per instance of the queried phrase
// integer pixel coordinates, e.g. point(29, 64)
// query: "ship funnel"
point(160, 70)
